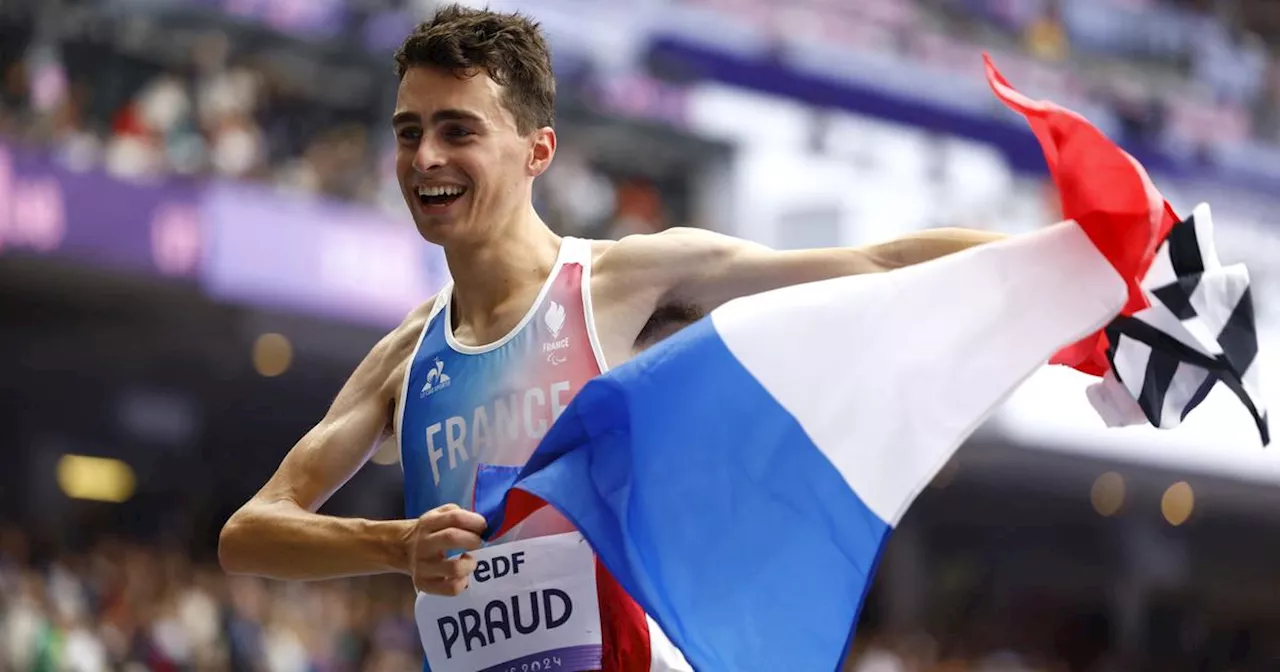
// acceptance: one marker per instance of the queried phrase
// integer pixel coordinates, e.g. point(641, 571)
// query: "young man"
point(471, 380)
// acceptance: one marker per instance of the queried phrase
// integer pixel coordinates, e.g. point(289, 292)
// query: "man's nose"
point(428, 156)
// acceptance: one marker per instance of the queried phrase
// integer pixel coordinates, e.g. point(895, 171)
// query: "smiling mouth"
point(439, 197)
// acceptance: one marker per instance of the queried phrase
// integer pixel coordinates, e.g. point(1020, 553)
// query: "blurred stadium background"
point(200, 237)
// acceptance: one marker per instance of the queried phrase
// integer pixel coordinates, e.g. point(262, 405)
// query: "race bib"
point(531, 605)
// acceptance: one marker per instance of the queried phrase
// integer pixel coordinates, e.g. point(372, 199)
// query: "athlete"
point(471, 380)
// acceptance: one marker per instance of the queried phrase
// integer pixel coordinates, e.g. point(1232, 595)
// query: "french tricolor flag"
point(741, 478)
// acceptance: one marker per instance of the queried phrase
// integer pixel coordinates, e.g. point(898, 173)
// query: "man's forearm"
point(921, 246)
point(285, 542)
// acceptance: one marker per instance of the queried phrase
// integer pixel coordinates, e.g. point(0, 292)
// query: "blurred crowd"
point(1212, 78)
point(1189, 73)
point(121, 606)
point(223, 117)
point(228, 117)
point(134, 608)
point(1184, 75)
point(918, 652)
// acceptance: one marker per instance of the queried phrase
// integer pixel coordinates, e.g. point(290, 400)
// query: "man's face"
point(462, 164)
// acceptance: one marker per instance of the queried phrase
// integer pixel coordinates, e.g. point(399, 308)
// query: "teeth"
point(452, 190)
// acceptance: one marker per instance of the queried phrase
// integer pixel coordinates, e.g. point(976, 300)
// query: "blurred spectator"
point(223, 111)
point(576, 198)
point(1046, 37)
point(123, 606)
point(640, 210)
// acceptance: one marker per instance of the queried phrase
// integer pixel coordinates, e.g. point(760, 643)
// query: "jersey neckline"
point(465, 349)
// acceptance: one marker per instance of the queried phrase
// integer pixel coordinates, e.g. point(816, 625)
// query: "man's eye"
point(457, 132)
point(410, 134)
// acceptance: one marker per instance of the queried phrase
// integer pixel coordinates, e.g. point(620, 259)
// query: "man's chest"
point(492, 406)
point(471, 410)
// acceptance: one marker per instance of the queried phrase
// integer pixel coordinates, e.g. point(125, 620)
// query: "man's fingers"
point(450, 515)
point(442, 586)
point(446, 577)
point(453, 568)
point(451, 539)
point(443, 530)
point(460, 567)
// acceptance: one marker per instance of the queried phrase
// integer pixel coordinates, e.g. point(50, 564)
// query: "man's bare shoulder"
point(392, 352)
point(619, 267)
point(638, 250)
point(638, 259)
point(599, 248)
point(631, 279)
point(411, 326)
point(405, 335)
point(655, 264)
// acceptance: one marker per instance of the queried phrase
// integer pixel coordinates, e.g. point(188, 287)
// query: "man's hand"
point(432, 537)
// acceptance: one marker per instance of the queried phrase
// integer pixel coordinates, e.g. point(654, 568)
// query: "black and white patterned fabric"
point(1198, 331)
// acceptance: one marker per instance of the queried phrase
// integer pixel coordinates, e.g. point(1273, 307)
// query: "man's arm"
point(278, 533)
point(706, 269)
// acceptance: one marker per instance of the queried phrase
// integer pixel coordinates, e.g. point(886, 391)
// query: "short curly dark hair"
point(510, 48)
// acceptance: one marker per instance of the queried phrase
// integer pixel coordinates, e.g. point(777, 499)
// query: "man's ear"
point(544, 149)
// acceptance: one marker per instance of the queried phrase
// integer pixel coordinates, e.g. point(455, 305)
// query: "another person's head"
point(473, 121)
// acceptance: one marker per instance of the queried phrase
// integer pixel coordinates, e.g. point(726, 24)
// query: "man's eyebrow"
point(407, 117)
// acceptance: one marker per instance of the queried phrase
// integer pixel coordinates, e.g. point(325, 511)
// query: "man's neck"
point(487, 276)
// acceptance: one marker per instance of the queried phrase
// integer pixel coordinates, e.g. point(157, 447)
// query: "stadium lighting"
point(1107, 494)
point(97, 479)
point(1178, 502)
point(272, 355)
